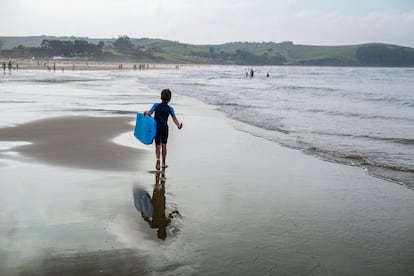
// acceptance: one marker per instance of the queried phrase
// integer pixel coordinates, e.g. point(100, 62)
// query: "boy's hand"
point(180, 126)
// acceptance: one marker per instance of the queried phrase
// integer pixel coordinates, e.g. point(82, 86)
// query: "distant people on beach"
point(10, 66)
point(142, 66)
point(162, 112)
point(267, 75)
point(251, 73)
point(4, 67)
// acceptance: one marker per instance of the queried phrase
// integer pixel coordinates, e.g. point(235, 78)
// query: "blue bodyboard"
point(142, 201)
point(145, 128)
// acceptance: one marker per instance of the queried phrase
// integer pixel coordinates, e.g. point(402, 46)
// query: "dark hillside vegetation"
point(239, 53)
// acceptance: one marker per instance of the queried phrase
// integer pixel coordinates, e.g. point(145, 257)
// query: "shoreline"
point(379, 172)
point(241, 198)
point(79, 65)
point(247, 205)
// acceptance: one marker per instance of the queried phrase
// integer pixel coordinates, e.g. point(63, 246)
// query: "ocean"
point(247, 205)
point(356, 116)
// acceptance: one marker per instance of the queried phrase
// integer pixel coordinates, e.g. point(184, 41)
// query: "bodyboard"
point(145, 128)
point(142, 202)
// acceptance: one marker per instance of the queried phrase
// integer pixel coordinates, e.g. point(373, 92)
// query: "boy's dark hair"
point(166, 95)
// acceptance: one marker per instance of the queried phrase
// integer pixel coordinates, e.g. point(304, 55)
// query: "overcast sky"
point(314, 22)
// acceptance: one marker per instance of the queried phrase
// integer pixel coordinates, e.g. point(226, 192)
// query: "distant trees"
point(123, 43)
point(385, 55)
point(70, 48)
point(131, 52)
point(239, 56)
point(126, 49)
point(49, 48)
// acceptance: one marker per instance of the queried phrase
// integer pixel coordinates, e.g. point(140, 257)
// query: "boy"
point(162, 111)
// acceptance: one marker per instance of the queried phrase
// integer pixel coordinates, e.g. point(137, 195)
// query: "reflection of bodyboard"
point(145, 128)
point(142, 202)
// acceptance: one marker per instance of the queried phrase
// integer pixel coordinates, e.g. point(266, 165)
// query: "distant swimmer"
point(267, 75)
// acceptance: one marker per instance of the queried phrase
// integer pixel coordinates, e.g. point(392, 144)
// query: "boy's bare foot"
point(157, 165)
point(164, 166)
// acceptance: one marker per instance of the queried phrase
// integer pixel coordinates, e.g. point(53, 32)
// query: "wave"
point(19, 102)
point(100, 110)
point(374, 97)
point(399, 140)
point(357, 115)
point(306, 88)
point(263, 123)
point(350, 94)
point(358, 159)
point(404, 141)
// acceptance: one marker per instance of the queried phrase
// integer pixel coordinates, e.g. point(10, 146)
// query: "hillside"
point(240, 53)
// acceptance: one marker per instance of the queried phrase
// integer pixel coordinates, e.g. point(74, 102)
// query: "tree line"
point(243, 53)
point(382, 55)
point(120, 49)
point(51, 48)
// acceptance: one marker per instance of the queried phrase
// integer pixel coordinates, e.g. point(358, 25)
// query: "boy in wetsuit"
point(162, 111)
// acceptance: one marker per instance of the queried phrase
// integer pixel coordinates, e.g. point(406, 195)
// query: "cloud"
point(215, 21)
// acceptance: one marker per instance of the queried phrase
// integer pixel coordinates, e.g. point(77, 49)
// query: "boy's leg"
point(157, 155)
point(164, 155)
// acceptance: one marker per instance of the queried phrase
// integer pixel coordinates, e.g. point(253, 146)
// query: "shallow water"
point(247, 206)
point(357, 116)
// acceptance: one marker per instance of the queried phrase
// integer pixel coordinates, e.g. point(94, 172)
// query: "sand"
point(82, 142)
point(78, 65)
point(248, 205)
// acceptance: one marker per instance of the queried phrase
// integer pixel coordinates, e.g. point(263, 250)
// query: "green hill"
point(240, 53)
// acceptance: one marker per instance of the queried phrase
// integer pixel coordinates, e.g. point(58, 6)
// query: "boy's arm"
point(177, 123)
point(149, 112)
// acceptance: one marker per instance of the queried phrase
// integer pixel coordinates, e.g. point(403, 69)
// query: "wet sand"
point(82, 142)
point(249, 206)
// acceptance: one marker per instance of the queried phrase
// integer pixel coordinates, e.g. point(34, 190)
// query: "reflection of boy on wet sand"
point(159, 219)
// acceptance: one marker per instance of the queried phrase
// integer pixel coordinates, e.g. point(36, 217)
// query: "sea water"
point(356, 116)
point(229, 227)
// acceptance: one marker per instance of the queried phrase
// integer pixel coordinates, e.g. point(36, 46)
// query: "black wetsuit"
point(162, 111)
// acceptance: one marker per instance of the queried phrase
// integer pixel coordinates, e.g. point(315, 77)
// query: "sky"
point(311, 22)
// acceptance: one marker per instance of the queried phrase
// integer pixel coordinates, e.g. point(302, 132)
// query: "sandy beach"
point(83, 65)
point(248, 206)
point(82, 142)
